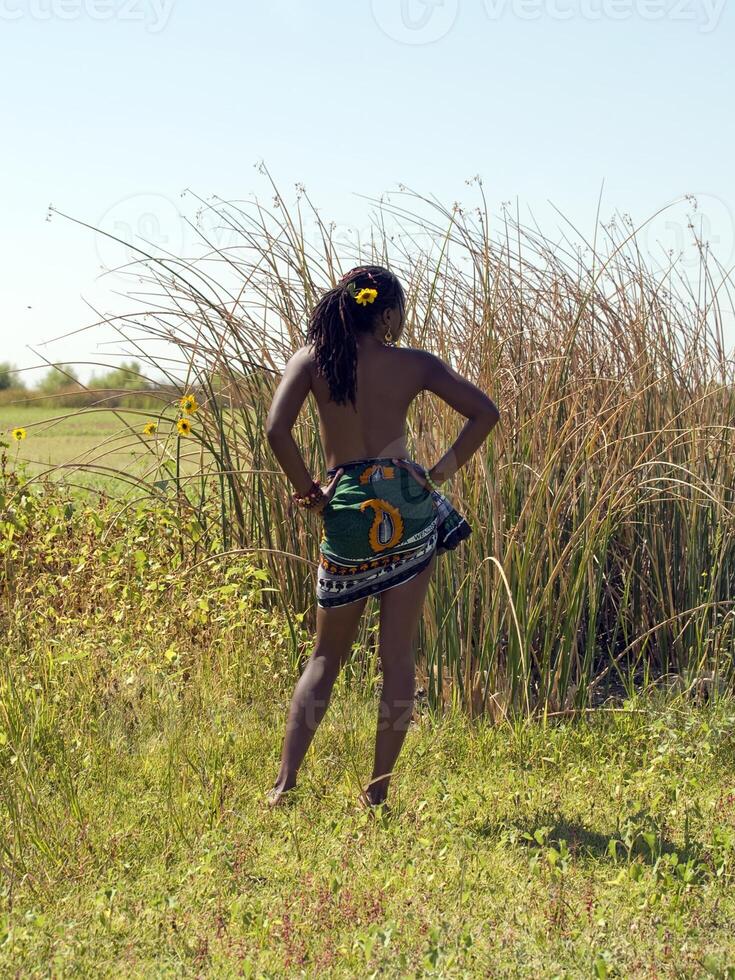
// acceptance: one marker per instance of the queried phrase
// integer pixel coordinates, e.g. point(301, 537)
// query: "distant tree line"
point(124, 386)
point(127, 387)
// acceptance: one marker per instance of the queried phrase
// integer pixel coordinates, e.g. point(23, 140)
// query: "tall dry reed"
point(602, 556)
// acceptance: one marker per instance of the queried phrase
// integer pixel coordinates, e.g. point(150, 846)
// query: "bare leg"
point(400, 612)
point(336, 630)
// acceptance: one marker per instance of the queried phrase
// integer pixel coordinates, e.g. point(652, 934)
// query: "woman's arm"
point(480, 411)
point(288, 398)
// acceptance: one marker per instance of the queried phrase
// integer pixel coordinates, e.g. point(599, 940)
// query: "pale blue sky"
point(113, 107)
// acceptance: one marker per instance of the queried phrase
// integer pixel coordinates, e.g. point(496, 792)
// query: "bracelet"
point(433, 486)
point(309, 499)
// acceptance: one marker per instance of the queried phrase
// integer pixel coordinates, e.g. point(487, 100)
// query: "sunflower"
point(19, 434)
point(189, 404)
point(366, 296)
point(184, 427)
point(149, 428)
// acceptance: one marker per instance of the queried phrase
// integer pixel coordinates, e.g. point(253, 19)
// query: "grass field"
point(88, 448)
point(582, 851)
point(142, 705)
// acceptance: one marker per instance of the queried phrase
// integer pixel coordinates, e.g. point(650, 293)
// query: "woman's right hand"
point(416, 471)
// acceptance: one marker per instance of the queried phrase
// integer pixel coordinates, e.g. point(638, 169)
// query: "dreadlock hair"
point(338, 318)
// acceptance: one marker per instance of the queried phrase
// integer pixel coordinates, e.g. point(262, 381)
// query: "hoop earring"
point(389, 336)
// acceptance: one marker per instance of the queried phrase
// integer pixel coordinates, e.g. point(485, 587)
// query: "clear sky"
point(113, 107)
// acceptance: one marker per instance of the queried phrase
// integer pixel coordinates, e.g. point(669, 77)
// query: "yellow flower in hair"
point(184, 427)
point(19, 434)
point(366, 296)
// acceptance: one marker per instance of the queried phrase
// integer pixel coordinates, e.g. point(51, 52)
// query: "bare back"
point(388, 380)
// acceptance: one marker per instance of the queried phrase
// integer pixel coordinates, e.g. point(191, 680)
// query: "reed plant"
point(602, 557)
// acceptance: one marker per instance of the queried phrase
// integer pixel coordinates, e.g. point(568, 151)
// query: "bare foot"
point(279, 795)
point(373, 805)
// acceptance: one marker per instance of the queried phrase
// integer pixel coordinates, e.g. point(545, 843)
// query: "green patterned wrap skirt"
point(380, 529)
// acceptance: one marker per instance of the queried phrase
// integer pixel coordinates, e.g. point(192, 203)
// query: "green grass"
point(142, 705)
point(94, 448)
point(169, 864)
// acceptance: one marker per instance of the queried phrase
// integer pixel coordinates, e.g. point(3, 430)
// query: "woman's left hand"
point(328, 490)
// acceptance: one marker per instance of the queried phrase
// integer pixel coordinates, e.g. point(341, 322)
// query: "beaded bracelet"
point(309, 499)
point(430, 482)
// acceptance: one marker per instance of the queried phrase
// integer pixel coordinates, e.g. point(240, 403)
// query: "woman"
point(384, 518)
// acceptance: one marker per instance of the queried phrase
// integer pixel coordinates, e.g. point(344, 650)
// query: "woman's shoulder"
point(419, 354)
point(413, 365)
point(422, 361)
point(303, 357)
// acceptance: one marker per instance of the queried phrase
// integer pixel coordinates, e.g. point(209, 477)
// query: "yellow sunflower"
point(184, 427)
point(149, 428)
point(19, 434)
point(189, 404)
point(366, 296)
